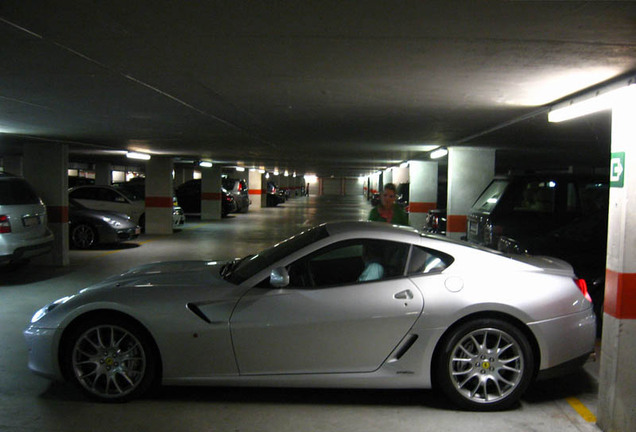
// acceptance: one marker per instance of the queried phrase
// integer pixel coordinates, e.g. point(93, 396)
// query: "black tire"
point(110, 359)
point(474, 371)
point(83, 236)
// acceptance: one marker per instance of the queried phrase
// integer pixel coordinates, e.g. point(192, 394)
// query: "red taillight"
point(5, 224)
point(583, 287)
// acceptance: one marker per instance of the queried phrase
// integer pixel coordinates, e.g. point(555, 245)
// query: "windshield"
point(490, 197)
point(241, 270)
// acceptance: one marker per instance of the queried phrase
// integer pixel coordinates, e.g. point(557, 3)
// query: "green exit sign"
point(617, 170)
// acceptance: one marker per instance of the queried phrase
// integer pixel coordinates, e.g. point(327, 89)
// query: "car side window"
point(350, 262)
point(110, 196)
point(537, 197)
point(84, 193)
point(423, 260)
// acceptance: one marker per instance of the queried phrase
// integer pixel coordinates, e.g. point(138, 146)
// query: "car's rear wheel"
point(485, 365)
point(83, 236)
point(112, 360)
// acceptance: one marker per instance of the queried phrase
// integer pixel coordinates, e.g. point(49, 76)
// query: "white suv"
point(23, 223)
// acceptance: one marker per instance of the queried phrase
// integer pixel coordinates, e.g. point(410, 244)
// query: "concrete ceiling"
point(327, 87)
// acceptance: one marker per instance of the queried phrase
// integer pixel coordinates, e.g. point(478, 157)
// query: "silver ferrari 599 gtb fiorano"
point(347, 304)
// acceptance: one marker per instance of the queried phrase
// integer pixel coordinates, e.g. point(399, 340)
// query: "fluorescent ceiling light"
point(135, 155)
point(439, 153)
point(205, 164)
point(240, 169)
point(592, 105)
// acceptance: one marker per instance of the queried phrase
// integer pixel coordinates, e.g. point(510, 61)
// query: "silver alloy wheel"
point(109, 361)
point(83, 236)
point(486, 365)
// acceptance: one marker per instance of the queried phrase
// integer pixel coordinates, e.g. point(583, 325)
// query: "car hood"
point(173, 273)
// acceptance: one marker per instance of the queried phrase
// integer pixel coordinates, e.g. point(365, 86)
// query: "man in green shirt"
point(388, 210)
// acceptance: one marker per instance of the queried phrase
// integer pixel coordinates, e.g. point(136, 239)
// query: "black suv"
point(560, 215)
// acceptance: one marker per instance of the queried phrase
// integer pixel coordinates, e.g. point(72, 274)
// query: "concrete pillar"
point(422, 191)
point(256, 188)
point(103, 173)
point(401, 175)
point(183, 174)
point(617, 380)
point(159, 195)
point(12, 164)
point(388, 176)
point(211, 193)
point(470, 170)
point(46, 169)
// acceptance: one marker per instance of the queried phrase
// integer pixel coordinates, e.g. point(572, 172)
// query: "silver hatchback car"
point(23, 222)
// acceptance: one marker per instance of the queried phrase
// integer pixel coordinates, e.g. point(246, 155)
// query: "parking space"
point(28, 402)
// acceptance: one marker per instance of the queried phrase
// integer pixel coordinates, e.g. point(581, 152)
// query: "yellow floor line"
point(581, 409)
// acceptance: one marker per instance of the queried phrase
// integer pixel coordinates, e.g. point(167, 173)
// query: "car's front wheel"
point(485, 365)
point(111, 359)
point(83, 236)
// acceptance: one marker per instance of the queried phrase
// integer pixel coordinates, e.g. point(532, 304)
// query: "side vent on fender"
point(406, 345)
point(195, 310)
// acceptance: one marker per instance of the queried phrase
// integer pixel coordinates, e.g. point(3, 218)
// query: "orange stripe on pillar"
point(211, 196)
point(256, 191)
point(456, 223)
point(620, 294)
point(421, 207)
point(57, 214)
point(161, 202)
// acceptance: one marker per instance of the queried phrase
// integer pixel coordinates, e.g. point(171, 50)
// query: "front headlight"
point(48, 308)
point(111, 222)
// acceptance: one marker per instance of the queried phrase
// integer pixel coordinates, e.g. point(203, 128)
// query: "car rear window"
point(17, 192)
point(490, 197)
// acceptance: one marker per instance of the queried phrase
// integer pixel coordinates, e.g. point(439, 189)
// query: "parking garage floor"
point(30, 403)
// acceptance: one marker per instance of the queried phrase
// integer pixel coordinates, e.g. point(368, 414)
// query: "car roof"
point(340, 227)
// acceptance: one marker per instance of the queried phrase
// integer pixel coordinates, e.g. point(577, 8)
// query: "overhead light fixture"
point(240, 169)
point(136, 155)
point(205, 164)
point(276, 172)
point(439, 153)
point(262, 171)
point(592, 105)
point(286, 173)
point(267, 175)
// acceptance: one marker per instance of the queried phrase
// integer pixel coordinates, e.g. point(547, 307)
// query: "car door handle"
point(404, 295)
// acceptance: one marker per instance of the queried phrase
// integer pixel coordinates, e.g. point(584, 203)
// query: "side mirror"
point(279, 277)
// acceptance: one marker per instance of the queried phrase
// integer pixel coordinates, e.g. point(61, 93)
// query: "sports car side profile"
point(476, 324)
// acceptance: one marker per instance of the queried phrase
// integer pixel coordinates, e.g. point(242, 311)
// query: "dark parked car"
point(275, 195)
point(561, 215)
point(88, 227)
point(239, 190)
point(189, 198)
